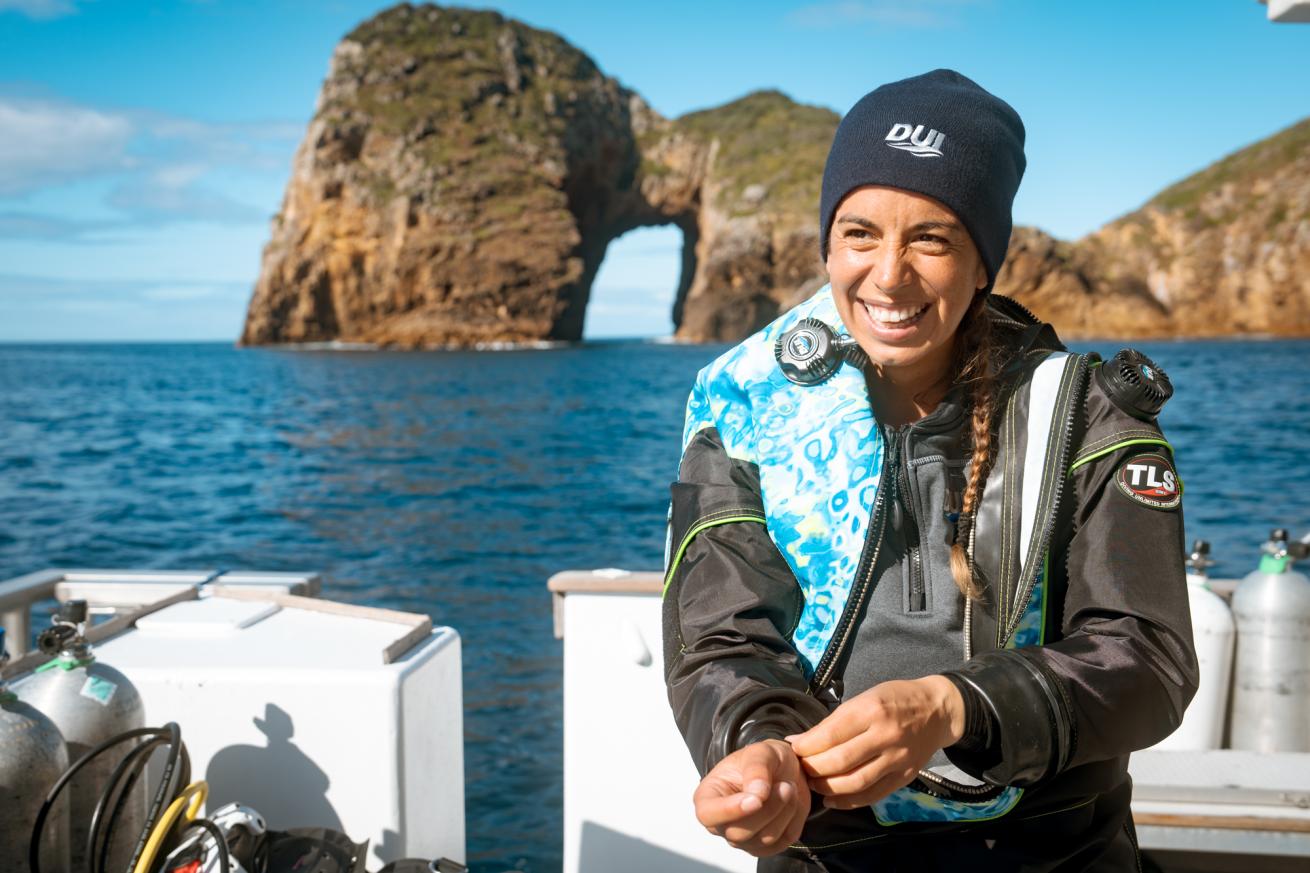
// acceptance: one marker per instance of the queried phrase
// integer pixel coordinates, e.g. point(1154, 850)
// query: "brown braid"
point(977, 367)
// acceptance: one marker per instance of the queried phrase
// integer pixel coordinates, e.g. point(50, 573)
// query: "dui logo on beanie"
point(915, 139)
point(1149, 480)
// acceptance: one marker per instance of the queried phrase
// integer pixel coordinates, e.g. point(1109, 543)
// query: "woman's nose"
point(889, 269)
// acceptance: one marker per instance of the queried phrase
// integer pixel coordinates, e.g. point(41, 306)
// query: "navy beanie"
point(939, 134)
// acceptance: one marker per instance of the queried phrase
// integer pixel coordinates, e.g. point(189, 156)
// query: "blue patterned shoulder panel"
point(819, 453)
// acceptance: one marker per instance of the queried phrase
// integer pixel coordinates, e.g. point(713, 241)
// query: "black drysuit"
point(1114, 674)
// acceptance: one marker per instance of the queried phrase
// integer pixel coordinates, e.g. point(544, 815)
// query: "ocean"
point(456, 483)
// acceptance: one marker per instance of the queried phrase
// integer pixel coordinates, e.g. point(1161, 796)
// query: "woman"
point(920, 608)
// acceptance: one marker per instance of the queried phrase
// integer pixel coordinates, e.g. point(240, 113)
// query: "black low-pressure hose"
point(174, 739)
point(224, 859)
point(168, 788)
point(117, 791)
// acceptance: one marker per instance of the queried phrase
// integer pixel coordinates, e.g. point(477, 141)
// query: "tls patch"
point(1150, 480)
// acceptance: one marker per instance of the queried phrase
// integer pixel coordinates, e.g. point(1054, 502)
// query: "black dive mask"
point(811, 352)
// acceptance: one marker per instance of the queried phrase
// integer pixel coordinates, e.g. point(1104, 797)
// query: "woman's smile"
point(893, 322)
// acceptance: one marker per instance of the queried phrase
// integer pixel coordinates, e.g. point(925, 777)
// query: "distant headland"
point(464, 173)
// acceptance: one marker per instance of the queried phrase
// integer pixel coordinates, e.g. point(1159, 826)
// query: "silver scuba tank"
point(89, 701)
point(1271, 679)
point(1212, 634)
point(32, 758)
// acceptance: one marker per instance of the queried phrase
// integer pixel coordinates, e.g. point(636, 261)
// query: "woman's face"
point(904, 271)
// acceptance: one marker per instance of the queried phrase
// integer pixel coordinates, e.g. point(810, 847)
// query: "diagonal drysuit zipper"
point(863, 574)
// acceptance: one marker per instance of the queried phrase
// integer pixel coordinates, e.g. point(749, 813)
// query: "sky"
point(144, 145)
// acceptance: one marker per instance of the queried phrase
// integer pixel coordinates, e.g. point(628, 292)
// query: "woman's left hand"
point(878, 740)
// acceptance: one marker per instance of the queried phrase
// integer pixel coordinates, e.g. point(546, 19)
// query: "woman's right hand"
point(757, 798)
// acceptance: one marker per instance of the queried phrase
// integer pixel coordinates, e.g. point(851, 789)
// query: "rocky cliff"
point(464, 173)
point(1226, 251)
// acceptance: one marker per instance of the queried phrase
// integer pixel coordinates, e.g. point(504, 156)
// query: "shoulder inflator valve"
point(1135, 383)
point(811, 352)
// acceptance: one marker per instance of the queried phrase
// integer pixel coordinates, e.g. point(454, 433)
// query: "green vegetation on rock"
point(1240, 168)
point(766, 138)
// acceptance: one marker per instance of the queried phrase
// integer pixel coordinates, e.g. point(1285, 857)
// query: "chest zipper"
point(918, 598)
point(926, 781)
point(863, 575)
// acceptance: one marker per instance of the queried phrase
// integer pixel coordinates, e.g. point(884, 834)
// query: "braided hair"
point(977, 367)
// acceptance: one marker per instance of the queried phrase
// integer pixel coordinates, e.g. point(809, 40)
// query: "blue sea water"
point(455, 483)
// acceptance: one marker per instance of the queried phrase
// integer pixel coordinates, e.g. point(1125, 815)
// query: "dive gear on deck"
point(32, 755)
point(1271, 677)
point(89, 701)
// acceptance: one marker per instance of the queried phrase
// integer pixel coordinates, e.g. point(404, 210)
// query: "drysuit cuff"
point(763, 714)
point(1029, 724)
point(980, 734)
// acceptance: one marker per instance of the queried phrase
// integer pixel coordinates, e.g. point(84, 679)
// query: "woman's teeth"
point(899, 317)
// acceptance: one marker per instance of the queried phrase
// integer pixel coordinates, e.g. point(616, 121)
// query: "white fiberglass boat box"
point(314, 713)
point(628, 777)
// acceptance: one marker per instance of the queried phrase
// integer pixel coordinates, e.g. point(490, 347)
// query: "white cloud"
point(893, 13)
point(40, 9)
point(161, 168)
point(174, 192)
point(44, 143)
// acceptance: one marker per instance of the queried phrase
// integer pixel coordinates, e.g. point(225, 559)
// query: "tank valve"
point(1199, 561)
point(67, 632)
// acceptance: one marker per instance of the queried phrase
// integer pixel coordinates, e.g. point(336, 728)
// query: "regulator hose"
point(169, 734)
point(224, 859)
point(118, 790)
point(186, 806)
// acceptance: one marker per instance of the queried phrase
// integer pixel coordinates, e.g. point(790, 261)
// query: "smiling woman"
point(904, 582)
point(904, 271)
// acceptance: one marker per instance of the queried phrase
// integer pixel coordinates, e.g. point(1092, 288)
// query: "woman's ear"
point(980, 279)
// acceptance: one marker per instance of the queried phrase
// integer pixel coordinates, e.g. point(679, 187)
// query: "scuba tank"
point(32, 758)
point(89, 702)
point(1271, 687)
point(1212, 631)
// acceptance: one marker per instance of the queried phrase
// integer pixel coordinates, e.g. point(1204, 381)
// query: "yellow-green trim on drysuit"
point(695, 531)
point(1152, 441)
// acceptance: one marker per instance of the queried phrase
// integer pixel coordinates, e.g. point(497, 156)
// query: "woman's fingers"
point(844, 723)
point(750, 798)
point(738, 787)
point(861, 777)
point(800, 812)
point(772, 831)
point(845, 756)
point(714, 812)
point(875, 792)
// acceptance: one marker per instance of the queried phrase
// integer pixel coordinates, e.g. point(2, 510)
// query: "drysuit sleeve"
point(730, 604)
point(1121, 668)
